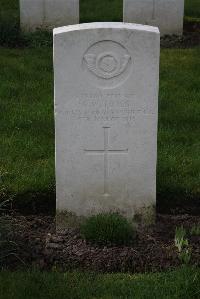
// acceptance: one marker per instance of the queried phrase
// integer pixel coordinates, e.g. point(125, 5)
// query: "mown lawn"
point(112, 10)
point(192, 8)
point(26, 121)
point(26, 111)
point(178, 173)
point(101, 10)
point(27, 154)
point(27, 125)
point(182, 283)
point(90, 10)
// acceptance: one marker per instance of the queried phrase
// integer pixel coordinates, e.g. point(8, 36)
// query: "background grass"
point(90, 11)
point(192, 8)
point(26, 112)
point(97, 10)
point(112, 10)
point(27, 152)
point(101, 10)
point(178, 174)
point(182, 283)
point(9, 22)
point(27, 125)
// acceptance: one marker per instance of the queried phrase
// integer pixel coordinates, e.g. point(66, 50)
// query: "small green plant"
point(195, 230)
point(182, 244)
point(185, 255)
point(108, 228)
point(180, 238)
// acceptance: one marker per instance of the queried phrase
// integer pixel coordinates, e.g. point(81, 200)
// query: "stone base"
point(145, 216)
point(66, 220)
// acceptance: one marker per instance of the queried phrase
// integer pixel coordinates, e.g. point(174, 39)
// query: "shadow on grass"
point(180, 283)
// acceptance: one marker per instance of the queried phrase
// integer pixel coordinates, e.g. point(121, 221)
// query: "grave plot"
point(106, 107)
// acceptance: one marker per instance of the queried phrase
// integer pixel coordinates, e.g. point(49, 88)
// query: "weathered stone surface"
point(106, 101)
point(166, 14)
point(48, 14)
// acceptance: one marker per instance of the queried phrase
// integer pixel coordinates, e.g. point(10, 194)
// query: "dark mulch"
point(38, 245)
point(190, 37)
point(188, 40)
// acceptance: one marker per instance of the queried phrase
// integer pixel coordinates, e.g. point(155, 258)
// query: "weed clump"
point(108, 228)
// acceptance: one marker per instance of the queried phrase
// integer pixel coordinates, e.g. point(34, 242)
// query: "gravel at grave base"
point(39, 246)
point(188, 40)
point(190, 37)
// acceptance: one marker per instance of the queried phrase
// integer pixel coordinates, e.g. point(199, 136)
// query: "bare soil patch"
point(38, 245)
point(189, 39)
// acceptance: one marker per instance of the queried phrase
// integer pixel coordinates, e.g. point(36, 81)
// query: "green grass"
point(182, 283)
point(192, 8)
point(112, 10)
point(96, 10)
point(101, 10)
point(10, 8)
point(26, 117)
point(179, 118)
point(90, 11)
point(9, 22)
point(27, 125)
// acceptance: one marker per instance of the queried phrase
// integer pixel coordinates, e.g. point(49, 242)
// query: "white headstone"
point(165, 14)
point(106, 101)
point(48, 14)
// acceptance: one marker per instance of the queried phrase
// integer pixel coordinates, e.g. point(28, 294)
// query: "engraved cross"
point(106, 152)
